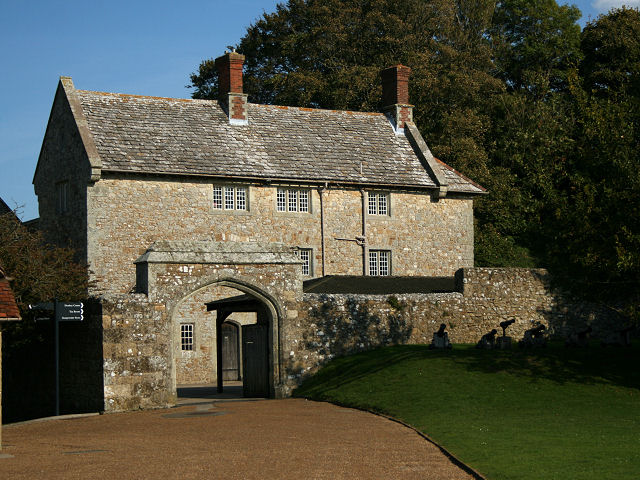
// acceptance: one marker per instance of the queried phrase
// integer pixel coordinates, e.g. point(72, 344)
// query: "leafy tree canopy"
point(40, 272)
point(509, 92)
point(611, 48)
point(535, 42)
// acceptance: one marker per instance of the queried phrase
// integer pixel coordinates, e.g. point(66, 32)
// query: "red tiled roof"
point(8, 308)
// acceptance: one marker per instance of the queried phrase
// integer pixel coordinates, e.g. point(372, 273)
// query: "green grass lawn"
point(552, 413)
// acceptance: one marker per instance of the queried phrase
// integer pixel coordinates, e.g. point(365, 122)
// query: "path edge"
point(452, 458)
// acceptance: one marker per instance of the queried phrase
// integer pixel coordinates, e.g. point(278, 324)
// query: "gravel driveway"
point(267, 439)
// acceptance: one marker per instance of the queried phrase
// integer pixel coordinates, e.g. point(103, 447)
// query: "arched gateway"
point(211, 327)
point(186, 291)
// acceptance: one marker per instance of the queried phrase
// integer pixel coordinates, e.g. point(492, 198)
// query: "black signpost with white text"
point(62, 312)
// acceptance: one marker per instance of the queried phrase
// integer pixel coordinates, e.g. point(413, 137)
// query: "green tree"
point(597, 228)
point(611, 48)
point(535, 42)
point(601, 214)
point(40, 273)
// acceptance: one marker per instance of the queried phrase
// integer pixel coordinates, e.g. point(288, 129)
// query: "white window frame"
point(379, 263)
point(293, 200)
point(228, 197)
point(378, 203)
point(281, 200)
point(187, 337)
point(306, 255)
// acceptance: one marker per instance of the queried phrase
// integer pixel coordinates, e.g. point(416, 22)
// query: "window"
point(281, 200)
point(292, 200)
point(229, 198)
point(379, 262)
point(62, 190)
point(378, 203)
point(186, 336)
point(306, 255)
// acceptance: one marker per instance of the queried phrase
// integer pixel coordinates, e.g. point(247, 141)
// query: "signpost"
point(69, 312)
point(62, 312)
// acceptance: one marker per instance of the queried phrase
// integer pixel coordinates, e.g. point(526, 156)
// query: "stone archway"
point(173, 274)
point(202, 362)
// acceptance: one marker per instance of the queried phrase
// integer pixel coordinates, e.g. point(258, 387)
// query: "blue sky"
point(138, 47)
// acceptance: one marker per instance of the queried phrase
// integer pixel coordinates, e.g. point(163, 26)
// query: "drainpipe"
point(321, 193)
point(364, 232)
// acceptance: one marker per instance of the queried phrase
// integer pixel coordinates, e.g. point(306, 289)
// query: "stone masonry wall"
point(141, 344)
point(335, 325)
point(136, 350)
point(63, 159)
point(126, 215)
point(141, 340)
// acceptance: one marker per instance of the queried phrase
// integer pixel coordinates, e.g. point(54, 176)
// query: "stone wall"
point(337, 324)
point(63, 159)
point(141, 331)
point(127, 214)
point(137, 355)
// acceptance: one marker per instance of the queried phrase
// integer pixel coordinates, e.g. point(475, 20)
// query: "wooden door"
point(255, 360)
point(230, 363)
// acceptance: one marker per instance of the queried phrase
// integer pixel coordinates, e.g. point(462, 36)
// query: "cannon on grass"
point(440, 339)
point(505, 325)
point(488, 340)
point(534, 337)
point(504, 342)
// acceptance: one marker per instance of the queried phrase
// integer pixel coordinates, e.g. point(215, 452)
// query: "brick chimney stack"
point(230, 93)
point(395, 96)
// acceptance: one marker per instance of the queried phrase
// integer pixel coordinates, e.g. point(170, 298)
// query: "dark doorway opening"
point(255, 360)
point(255, 346)
point(230, 352)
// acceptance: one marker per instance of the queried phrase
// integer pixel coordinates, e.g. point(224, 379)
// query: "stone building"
point(201, 219)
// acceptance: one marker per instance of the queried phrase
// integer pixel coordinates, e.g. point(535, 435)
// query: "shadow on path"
point(193, 394)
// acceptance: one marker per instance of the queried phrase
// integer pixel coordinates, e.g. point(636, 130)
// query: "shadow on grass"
point(344, 370)
point(593, 365)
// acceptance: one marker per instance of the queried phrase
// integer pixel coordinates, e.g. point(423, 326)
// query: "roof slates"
point(194, 137)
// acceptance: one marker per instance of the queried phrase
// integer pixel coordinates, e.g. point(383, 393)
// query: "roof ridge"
point(203, 100)
point(311, 109)
point(151, 97)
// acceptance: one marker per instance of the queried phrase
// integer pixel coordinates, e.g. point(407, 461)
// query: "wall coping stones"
point(363, 297)
point(372, 285)
point(211, 252)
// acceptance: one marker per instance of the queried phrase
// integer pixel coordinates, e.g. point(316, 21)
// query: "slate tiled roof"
point(194, 137)
point(8, 308)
